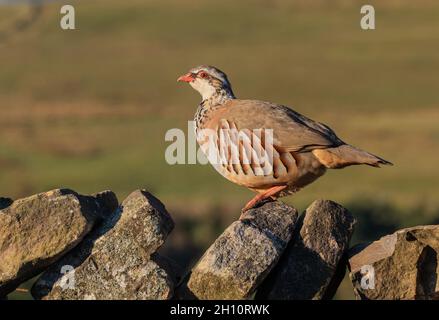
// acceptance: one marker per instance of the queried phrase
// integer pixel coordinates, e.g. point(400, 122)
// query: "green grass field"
point(88, 109)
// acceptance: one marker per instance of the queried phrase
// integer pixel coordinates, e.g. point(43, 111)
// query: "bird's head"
point(208, 81)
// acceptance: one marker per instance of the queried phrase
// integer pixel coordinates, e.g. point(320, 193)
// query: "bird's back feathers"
point(294, 132)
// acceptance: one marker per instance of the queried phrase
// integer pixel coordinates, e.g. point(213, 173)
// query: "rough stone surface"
point(243, 255)
point(38, 230)
point(312, 266)
point(118, 259)
point(403, 265)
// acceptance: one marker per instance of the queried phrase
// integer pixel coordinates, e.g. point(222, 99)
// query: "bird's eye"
point(203, 75)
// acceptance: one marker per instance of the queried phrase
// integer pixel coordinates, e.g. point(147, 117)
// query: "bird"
point(266, 147)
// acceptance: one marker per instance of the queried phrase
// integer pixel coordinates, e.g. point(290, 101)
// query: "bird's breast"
point(251, 158)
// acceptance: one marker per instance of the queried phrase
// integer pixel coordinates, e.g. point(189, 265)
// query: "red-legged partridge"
point(268, 148)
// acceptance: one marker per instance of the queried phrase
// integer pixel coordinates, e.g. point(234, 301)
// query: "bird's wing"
point(292, 131)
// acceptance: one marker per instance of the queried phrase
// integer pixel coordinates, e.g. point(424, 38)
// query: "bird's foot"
point(256, 204)
point(260, 198)
point(250, 205)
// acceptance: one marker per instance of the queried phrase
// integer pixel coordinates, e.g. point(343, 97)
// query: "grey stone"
point(118, 259)
point(243, 255)
point(36, 231)
point(402, 266)
point(313, 265)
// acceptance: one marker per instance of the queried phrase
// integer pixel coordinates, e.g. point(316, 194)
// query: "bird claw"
point(243, 212)
point(254, 205)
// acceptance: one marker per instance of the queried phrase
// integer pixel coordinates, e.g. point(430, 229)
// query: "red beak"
point(188, 77)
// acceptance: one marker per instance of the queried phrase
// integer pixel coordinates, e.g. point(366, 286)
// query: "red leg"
point(270, 193)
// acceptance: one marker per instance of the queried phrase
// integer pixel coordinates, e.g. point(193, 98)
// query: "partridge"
point(268, 148)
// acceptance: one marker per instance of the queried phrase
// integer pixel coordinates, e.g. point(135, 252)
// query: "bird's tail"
point(347, 155)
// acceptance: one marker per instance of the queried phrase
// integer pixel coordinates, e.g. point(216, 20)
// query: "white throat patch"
point(204, 88)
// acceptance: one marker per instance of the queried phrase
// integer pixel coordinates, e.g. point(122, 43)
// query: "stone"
point(38, 230)
point(313, 265)
point(400, 266)
point(239, 260)
point(118, 260)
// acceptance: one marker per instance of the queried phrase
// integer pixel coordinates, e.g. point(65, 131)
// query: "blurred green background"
point(88, 109)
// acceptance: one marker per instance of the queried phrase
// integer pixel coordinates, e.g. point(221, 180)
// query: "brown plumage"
point(299, 150)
